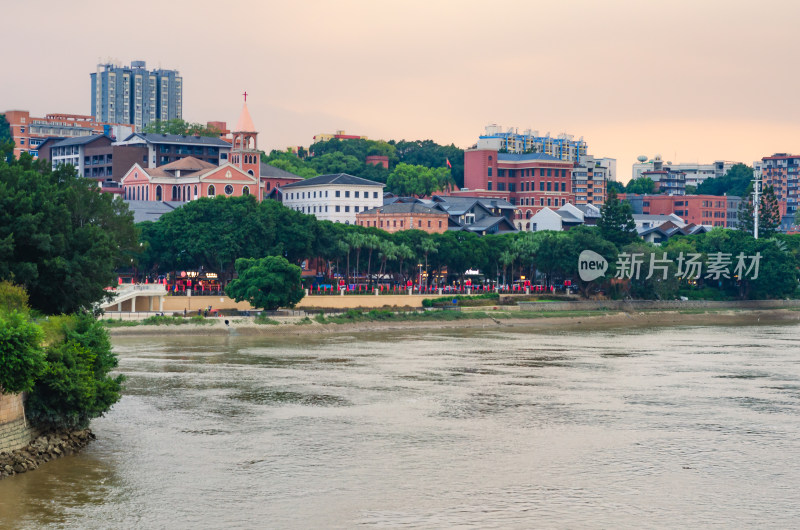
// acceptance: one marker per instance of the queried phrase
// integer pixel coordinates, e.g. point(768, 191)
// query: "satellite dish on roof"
point(642, 159)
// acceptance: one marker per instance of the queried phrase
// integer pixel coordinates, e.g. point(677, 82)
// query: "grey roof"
point(151, 210)
point(160, 138)
point(276, 172)
point(568, 217)
point(488, 222)
point(342, 179)
point(455, 205)
point(80, 140)
point(406, 207)
point(587, 211)
point(521, 157)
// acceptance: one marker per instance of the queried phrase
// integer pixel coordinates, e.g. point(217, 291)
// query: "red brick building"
point(405, 216)
point(530, 181)
point(708, 210)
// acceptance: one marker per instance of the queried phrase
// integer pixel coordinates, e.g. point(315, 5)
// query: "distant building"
point(336, 198)
point(30, 132)
point(564, 218)
point(479, 215)
point(708, 210)
point(696, 173)
point(338, 135)
point(405, 216)
point(187, 179)
point(562, 147)
point(132, 94)
point(589, 180)
point(378, 160)
point(782, 172)
point(529, 181)
point(167, 148)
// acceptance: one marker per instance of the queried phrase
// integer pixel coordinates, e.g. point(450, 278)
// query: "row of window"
point(513, 173)
point(528, 186)
point(337, 208)
point(394, 223)
point(179, 193)
point(313, 194)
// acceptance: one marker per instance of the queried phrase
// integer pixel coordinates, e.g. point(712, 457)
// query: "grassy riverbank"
point(380, 320)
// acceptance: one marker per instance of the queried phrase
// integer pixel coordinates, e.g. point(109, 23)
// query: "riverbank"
point(43, 449)
point(596, 319)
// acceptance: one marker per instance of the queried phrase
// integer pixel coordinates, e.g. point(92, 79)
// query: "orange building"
point(30, 132)
point(405, 216)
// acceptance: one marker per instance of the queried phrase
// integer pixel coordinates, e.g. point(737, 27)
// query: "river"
point(681, 426)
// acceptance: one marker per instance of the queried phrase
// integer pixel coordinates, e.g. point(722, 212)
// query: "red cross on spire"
point(245, 96)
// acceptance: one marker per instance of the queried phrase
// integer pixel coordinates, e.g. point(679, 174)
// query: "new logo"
point(591, 265)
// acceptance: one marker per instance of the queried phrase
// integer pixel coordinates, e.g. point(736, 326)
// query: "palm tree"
point(507, 257)
point(404, 252)
point(386, 252)
point(344, 247)
point(371, 242)
point(356, 242)
point(427, 246)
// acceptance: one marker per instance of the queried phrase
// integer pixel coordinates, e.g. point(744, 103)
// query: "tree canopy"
point(269, 283)
point(734, 182)
point(60, 238)
point(179, 126)
point(769, 216)
point(641, 186)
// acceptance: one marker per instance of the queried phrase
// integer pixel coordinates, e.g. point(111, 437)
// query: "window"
point(346, 208)
point(429, 223)
point(228, 189)
point(158, 193)
point(440, 224)
point(490, 172)
point(356, 208)
point(490, 158)
point(489, 186)
point(337, 193)
point(548, 172)
point(22, 141)
point(245, 190)
point(374, 194)
point(22, 130)
point(356, 196)
point(337, 206)
point(548, 186)
point(563, 186)
point(541, 186)
point(548, 202)
point(501, 186)
point(347, 193)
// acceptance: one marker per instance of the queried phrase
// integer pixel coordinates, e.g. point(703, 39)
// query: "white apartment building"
point(696, 173)
point(337, 198)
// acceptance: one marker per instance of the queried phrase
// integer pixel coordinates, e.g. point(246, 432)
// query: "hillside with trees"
point(349, 156)
point(735, 182)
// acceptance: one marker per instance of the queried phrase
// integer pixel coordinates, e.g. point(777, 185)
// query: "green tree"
point(290, 162)
point(641, 186)
point(269, 283)
point(616, 223)
point(179, 126)
point(75, 386)
point(336, 162)
point(6, 141)
point(59, 238)
point(734, 182)
point(769, 216)
point(617, 186)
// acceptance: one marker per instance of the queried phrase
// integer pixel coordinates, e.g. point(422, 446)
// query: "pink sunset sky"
point(694, 81)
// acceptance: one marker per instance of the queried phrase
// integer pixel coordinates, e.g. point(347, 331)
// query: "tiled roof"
point(80, 140)
point(405, 207)
point(188, 163)
point(275, 172)
point(150, 210)
point(157, 138)
point(342, 179)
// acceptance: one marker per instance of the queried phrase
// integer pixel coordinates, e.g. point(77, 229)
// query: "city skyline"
point(693, 82)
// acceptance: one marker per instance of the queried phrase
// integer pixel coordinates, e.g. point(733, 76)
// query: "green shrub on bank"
point(463, 300)
point(22, 358)
point(265, 320)
point(75, 386)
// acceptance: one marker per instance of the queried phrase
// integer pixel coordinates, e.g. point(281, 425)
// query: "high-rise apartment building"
point(782, 172)
point(132, 94)
point(563, 146)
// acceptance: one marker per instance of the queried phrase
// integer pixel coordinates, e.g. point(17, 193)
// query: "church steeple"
point(244, 153)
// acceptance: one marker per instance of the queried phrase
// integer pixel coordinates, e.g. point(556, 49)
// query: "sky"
point(691, 80)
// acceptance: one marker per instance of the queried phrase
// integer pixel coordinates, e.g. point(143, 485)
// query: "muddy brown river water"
point(682, 426)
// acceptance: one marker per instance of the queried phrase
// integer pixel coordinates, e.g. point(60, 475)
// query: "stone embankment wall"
point(644, 305)
point(15, 432)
